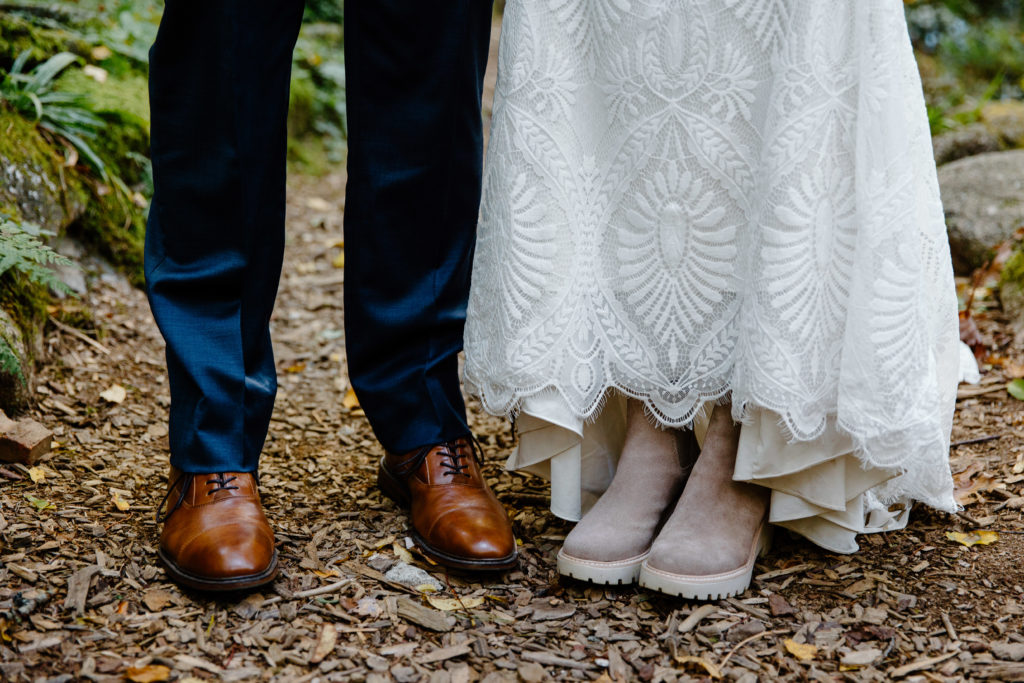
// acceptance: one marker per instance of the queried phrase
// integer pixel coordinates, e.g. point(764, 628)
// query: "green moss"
point(18, 35)
point(25, 302)
point(125, 94)
point(1013, 271)
point(116, 229)
point(302, 100)
point(34, 185)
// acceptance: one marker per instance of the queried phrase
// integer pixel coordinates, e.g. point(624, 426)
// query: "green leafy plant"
point(23, 253)
point(67, 116)
point(9, 362)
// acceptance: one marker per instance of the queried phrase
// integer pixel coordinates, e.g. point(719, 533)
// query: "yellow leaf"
point(402, 554)
point(339, 260)
point(37, 475)
point(115, 394)
point(426, 588)
point(979, 537)
point(327, 574)
point(451, 604)
point(293, 369)
point(801, 651)
point(151, 673)
point(710, 668)
point(119, 502)
point(350, 401)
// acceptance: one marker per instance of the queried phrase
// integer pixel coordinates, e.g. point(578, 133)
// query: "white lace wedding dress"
point(691, 199)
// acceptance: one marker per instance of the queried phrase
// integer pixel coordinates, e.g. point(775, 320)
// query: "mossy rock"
point(18, 35)
point(125, 94)
point(1005, 119)
point(116, 229)
point(1011, 293)
point(35, 187)
point(22, 316)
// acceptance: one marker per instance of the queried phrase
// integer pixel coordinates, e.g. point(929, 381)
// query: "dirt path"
point(912, 604)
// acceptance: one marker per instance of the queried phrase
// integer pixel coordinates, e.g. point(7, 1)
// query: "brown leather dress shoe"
point(456, 519)
point(215, 536)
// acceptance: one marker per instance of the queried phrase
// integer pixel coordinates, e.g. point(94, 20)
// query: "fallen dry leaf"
point(151, 673)
point(339, 260)
point(977, 537)
point(710, 668)
point(350, 401)
point(402, 554)
point(96, 73)
point(324, 644)
point(802, 651)
point(37, 475)
point(119, 502)
point(319, 204)
point(451, 604)
point(115, 394)
point(157, 598)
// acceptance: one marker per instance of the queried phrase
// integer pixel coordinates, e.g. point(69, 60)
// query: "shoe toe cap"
point(229, 552)
point(474, 536)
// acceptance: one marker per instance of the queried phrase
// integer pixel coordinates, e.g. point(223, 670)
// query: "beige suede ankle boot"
point(613, 538)
point(707, 548)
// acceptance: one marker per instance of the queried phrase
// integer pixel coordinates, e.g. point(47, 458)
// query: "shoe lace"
point(453, 453)
point(221, 484)
point(181, 497)
point(220, 481)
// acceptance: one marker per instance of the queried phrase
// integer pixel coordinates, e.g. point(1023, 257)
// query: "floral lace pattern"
point(689, 198)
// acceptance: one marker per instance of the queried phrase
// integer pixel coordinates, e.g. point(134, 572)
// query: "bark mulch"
point(82, 596)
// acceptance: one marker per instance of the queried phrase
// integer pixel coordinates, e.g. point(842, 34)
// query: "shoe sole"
point(394, 489)
point(618, 573)
point(710, 587)
point(206, 583)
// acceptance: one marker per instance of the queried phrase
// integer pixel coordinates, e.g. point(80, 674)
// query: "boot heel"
point(390, 486)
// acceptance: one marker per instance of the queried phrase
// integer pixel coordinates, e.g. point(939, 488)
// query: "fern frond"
point(23, 253)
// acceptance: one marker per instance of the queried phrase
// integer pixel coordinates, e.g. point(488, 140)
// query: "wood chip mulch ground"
point(83, 598)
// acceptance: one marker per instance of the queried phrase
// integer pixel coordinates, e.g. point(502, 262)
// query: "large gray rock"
point(984, 201)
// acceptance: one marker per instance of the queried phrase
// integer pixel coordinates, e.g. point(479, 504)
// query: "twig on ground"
point(323, 590)
point(79, 335)
point(980, 439)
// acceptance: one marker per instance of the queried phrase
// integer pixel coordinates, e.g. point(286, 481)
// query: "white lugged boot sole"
point(619, 572)
point(711, 586)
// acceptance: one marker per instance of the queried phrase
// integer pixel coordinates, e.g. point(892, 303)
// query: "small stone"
point(380, 562)
point(411, 576)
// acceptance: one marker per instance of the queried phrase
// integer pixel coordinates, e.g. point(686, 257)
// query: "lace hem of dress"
point(916, 453)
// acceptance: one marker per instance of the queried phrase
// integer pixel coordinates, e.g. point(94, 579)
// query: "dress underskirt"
point(819, 488)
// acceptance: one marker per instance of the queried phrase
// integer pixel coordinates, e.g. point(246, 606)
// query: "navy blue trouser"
point(219, 74)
